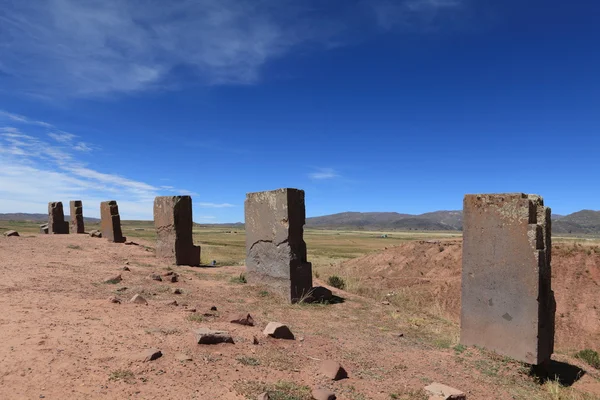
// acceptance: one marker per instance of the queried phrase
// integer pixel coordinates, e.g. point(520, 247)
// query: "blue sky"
point(373, 105)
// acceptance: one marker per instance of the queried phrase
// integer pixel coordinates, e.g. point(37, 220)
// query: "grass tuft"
point(241, 278)
point(281, 390)
point(248, 360)
point(590, 357)
point(195, 317)
point(124, 375)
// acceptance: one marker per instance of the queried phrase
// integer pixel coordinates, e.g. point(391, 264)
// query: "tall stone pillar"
point(110, 222)
point(275, 248)
point(507, 300)
point(56, 218)
point(76, 211)
point(173, 222)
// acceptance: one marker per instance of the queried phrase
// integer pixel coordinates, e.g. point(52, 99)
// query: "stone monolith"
point(56, 218)
point(110, 222)
point(275, 248)
point(173, 223)
point(507, 300)
point(76, 212)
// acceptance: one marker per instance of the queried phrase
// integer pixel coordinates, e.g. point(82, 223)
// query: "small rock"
point(323, 394)
point(156, 277)
point(213, 308)
point(122, 289)
point(263, 396)
point(96, 234)
point(44, 228)
point(113, 279)
point(209, 336)
point(333, 370)
point(243, 320)
point(174, 278)
point(149, 355)
point(278, 331)
point(138, 299)
point(255, 340)
point(126, 262)
point(385, 303)
point(182, 357)
point(130, 243)
point(168, 273)
point(114, 299)
point(190, 310)
point(177, 291)
point(126, 269)
point(172, 303)
point(439, 391)
point(11, 233)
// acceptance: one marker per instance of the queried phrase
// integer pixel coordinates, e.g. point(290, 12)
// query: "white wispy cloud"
point(415, 14)
point(323, 173)
point(81, 146)
point(62, 137)
point(89, 48)
point(214, 205)
point(21, 118)
point(37, 167)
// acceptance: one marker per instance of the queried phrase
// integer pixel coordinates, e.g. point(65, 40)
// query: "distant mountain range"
point(437, 220)
point(41, 218)
point(580, 222)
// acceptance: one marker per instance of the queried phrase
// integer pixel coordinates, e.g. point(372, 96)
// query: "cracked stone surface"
point(507, 299)
point(275, 247)
point(173, 223)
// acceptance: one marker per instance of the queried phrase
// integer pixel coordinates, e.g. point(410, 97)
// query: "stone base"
point(59, 228)
point(298, 291)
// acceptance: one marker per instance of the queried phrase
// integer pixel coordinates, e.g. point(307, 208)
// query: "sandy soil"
point(62, 338)
point(430, 272)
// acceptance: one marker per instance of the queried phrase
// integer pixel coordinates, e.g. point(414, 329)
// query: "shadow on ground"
point(566, 374)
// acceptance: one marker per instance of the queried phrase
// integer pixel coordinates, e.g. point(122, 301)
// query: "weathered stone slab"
point(44, 228)
point(56, 218)
point(110, 222)
point(275, 248)
point(76, 213)
point(507, 300)
point(173, 222)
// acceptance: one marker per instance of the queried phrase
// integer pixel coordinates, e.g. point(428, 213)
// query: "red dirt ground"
point(430, 272)
point(62, 338)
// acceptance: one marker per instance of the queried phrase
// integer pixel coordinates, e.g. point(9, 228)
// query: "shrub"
point(589, 356)
point(336, 282)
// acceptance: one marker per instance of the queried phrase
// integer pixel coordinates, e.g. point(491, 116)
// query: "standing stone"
point(275, 248)
point(110, 222)
point(507, 300)
point(56, 218)
point(173, 222)
point(76, 212)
